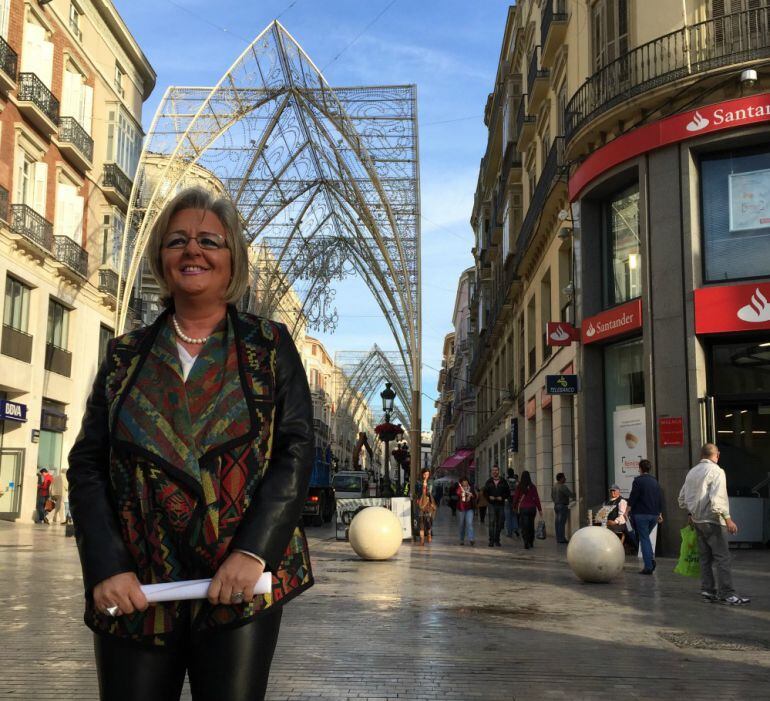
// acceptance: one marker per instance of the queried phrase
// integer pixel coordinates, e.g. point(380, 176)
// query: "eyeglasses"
point(208, 242)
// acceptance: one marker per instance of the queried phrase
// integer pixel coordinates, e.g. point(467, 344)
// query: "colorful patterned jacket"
point(167, 477)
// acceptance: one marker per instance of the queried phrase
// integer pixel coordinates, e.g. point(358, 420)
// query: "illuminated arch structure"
point(326, 178)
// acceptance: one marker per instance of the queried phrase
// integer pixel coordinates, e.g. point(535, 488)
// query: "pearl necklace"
point(185, 338)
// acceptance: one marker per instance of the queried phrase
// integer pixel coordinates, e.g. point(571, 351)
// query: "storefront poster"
point(671, 431)
point(749, 200)
point(348, 508)
point(629, 432)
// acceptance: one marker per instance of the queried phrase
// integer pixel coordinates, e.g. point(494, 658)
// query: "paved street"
point(439, 622)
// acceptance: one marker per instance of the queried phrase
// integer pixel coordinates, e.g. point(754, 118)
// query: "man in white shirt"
point(704, 495)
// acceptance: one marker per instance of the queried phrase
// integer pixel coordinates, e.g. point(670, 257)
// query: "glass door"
point(11, 471)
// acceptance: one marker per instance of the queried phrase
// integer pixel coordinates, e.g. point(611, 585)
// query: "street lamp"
point(388, 395)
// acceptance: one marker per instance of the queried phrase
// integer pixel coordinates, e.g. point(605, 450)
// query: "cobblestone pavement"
point(437, 622)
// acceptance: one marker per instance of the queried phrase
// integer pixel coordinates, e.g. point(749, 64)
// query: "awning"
point(457, 459)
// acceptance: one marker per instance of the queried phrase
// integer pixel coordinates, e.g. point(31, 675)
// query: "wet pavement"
point(436, 622)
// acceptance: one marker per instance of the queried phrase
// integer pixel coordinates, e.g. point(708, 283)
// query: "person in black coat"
point(497, 491)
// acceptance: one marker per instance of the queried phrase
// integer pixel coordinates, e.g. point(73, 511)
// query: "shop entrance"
point(11, 474)
point(740, 383)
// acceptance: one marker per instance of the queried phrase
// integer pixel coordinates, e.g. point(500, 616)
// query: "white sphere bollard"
point(375, 533)
point(595, 554)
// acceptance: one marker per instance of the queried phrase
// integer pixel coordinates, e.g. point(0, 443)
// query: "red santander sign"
point(617, 321)
point(559, 333)
point(732, 308)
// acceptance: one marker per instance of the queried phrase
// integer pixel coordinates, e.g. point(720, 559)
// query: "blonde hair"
point(225, 211)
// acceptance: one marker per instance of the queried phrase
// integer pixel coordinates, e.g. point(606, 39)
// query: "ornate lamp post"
point(387, 433)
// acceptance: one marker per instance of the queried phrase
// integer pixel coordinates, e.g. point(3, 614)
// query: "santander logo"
point(590, 331)
point(560, 334)
point(757, 311)
point(698, 122)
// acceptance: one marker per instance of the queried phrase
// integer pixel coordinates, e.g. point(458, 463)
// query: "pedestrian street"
point(435, 622)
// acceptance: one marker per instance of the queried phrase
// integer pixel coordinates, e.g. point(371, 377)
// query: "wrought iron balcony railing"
point(535, 70)
point(27, 222)
point(71, 132)
point(522, 117)
point(8, 59)
point(32, 89)
point(3, 204)
point(108, 282)
point(115, 178)
point(553, 170)
point(71, 254)
point(553, 10)
point(699, 48)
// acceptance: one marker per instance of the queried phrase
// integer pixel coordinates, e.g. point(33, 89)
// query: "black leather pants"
point(227, 665)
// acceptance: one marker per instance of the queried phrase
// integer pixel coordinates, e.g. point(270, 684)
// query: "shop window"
point(624, 411)
point(622, 247)
point(735, 206)
point(16, 307)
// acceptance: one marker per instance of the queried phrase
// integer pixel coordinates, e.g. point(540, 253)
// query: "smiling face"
point(193, 272)
point(495, 472)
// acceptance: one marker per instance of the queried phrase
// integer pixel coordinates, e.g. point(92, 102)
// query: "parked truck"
point(319, 505)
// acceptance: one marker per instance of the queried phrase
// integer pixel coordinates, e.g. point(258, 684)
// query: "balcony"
point(538, 79)
point(553, 171)
point(108, 282)
point(525, 125)
point(37, 103)
point(73, 256)
point(58, 360)
point(511, 169)
point(16, 344)
point(733, 39)
point(3, 204)
point(36, 232)
point(116, 185)
point(75, 143)
point(553, 29)
point(8, 62)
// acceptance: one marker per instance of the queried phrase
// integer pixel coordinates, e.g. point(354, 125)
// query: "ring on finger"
point(113, 611)
point(236, 597)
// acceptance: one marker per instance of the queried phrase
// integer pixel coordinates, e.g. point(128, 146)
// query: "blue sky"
point(449, 49)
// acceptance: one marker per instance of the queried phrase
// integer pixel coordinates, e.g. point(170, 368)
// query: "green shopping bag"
point(689, 562)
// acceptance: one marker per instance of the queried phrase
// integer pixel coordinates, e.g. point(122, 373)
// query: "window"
point(5, 11)
point(77, 97)
point(609, 28)
point(58, 325)
point(735, 215)
point(37, 52)
point(31, 181)
point(120, 76)
point(623, 259)
point(545, 312)
point(113, 225)
point(124, 140)
point(16, 308)
point(105, 334)
point(74, 21)
point(69, 212)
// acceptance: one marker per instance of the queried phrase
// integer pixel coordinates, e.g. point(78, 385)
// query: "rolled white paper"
point(195, 589)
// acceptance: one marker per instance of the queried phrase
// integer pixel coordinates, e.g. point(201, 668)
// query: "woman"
point(193, 462)
point(426, 507)
point(527, 501)
point(466, 503)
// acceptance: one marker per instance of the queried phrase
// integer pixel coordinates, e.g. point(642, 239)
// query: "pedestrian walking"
point(193, 461)
point(465, 506)
point(497, 491)
point(44, 480)
point(526, 501)
point(561, 496)
point(426, 507)
point(482, 504)
point(511, 517)
point(646, 505)
point(59, 495)
point(704, 495)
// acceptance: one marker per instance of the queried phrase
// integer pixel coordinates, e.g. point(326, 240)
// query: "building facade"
point(627, 196)
point(442, 424)
point(72, 84)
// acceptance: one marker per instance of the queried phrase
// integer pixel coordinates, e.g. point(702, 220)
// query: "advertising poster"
point(348, 508)
point(629, 434)
point(750, 200)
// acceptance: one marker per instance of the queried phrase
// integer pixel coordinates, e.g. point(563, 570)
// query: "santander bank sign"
point(617, 321)
point(730, 114)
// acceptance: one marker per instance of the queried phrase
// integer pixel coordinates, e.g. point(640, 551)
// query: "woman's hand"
point(121, 590)
point(238, 573)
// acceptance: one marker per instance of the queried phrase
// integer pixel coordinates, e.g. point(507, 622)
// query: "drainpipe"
point(686, 36)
